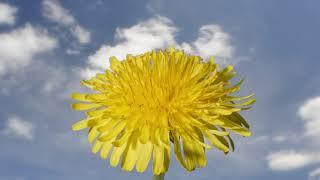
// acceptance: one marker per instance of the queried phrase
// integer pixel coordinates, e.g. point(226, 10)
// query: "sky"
point(48, 46)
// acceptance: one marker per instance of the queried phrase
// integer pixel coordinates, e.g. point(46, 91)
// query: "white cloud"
point(53, 11)
point(315, 173)
point(212, 40)
point(310, 113)
point(7, 14)
point(18, 47)
point(290, 159)
point(147, 35)
point(159, 32)
point(20, 128)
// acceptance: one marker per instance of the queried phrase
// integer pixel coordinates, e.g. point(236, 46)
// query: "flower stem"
point(158, 177)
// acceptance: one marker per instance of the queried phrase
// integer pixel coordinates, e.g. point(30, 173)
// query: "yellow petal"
point(93, 134)
point(105, 150)
point(96, 112)
point(86, 83)
point(153, 135)
point(166, 159)
point(241, 131)
point(79, 96)
point(228, 124)
point(144, 138)
point(177, 150)
point(144, 156)
point(96, 97)
point(224, 142)
point(115, 131)
point(85, 123)
point(236, 98)
point(236, 117)
point(216, 142)
point(224, 72)
point(188, 154)
point(199, 155)
point(101, 77)
point(164, 138)
point(158, 160)
point(108, 126)
point(231, 142)
point(87, 97)
point(245, 103)
point(97, 121)
point(97, 146)
point(224, 111)
point(130, 156)
point(116, 155)
point(114, 63)
point(121, 140)
point(84, 106)
point(219, 133)
point(80, 125)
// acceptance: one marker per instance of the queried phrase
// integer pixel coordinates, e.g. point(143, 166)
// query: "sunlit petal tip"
point(79, 96)
point(80, 125)
point(84, 106)
point(247, 134)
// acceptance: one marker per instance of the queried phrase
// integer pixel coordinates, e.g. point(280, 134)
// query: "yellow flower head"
point(147, 102)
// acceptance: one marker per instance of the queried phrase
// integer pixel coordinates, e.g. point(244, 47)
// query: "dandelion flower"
point(148, 105)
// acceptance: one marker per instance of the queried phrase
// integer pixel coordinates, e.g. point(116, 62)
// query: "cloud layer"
point(284, 160)
point(159, 32)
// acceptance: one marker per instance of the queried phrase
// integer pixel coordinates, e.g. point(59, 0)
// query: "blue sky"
point(48, 46)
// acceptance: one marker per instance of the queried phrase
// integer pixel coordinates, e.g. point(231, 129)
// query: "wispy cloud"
point(7, 14)
point(19, 128)
point(55, 12)
point(314, 174)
